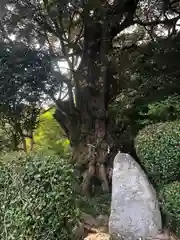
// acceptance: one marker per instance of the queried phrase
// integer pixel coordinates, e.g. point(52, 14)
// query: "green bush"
point(37, 199)
point(170, 200)
point(96, 205)
point(167, 109)
point(158, 148)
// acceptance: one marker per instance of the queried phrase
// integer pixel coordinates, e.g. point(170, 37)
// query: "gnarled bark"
point(93, 162)
point(91, 141)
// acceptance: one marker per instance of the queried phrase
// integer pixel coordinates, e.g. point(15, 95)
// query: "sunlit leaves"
point(49, 137)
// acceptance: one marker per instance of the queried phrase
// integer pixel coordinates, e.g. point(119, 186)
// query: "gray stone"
point(134, 207)
point(78, 231)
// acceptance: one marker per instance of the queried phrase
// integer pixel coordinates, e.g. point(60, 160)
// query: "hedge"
point(158, 148)
point(170, 202)
point(37, 199)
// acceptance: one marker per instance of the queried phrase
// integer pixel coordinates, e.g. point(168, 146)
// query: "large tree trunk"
point(19, 132)
point(93, 160)
point(86, 125)
point(91, 140)
point(86, 122)
point(14, 142)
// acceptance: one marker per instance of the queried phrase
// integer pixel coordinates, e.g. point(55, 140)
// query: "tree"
point(5, 140)
point(19, 121)
point(152, 95)
point(23, 73)
point(82, 33)
point(48, 136)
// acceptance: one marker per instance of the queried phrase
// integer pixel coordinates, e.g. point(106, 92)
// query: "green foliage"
point(157, 147)
point(95, 205)
point(18, 121)
point(122, 113)
point(125, 110)
point(37, 198)
point(25, 75)
point(167, 109)
point(27, 71)
point(4, 140)
point(49, 136)
point(156, 66)
point(170, 197)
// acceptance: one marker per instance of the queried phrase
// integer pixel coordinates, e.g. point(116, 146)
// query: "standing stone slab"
point(134, 207)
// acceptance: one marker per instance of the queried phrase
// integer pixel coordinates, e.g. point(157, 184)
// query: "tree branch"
point(61, 118)
point(158, 21)
point(118, 11)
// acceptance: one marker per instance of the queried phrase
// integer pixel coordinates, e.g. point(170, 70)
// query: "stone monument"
point(134, 206)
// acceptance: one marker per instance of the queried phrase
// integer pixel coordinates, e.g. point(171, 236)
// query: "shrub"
point(37, 198)
point(167, 109)
point(170, 200)
point(158, 148)
point(95, 205)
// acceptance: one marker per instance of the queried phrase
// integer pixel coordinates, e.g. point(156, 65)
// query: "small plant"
point(170, 201)
point(95, 205)
point(37, 199)
point(158, 148)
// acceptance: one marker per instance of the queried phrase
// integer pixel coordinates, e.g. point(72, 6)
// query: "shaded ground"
point(94, 217)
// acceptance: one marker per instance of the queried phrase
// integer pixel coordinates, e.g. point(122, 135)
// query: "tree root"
point(95, 159)
point(103, 177)
point(87, 176)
